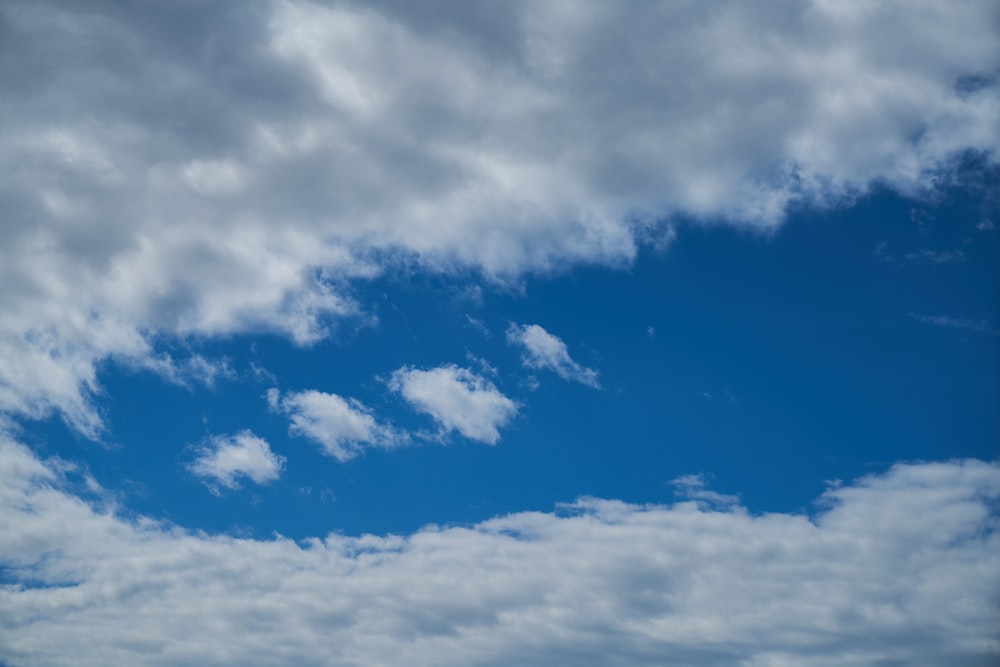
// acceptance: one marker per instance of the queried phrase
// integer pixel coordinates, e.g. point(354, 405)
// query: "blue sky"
point(466, 334)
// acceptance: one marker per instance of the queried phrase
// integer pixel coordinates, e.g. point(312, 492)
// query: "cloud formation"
point(200, 169)
point(542, 350)
point(224, 459)
point(343, 427)
point(894, 568)
point(457, 399)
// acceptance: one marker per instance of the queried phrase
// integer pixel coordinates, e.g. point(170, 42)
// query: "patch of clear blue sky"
point(776, 364)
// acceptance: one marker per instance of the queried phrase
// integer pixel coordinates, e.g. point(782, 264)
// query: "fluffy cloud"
point(542, 350)
point(223, 459)
point(457, 399)
point(211, 168)
point(896, 568)
point(342, 426)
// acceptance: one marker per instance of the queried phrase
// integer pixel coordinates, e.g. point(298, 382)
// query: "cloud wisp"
point(223, 460)
point(544, 351)
point(248, 164)
point(949, 322)
point(900, 567)
point(457, 399)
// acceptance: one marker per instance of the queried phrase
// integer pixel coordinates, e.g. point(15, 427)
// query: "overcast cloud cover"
point(183, 172)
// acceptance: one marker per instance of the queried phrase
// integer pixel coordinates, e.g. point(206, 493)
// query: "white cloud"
point(245, 166)
point(900, 568)
point(342, 426)
point(457, 399)
point(224, 459)
point(542, 350)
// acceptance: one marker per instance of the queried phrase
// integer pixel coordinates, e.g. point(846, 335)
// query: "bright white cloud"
point(898, 568)
point(224, 459)
point(457, 399)
point(246, 165)
point(542, 350)
point(342, 426)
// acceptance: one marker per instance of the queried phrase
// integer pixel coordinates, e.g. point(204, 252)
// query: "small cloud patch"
point(343, 427)
point(543, 350)
point(457, 399)
point(224, 460)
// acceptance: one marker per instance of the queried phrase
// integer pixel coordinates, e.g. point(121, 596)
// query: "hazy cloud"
point(936, 256)
point(979, 326)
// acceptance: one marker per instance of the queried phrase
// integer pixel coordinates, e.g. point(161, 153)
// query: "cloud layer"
point(210, 168)
point(896, 568)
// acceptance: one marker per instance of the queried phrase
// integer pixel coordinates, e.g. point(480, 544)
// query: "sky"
point(467, 333)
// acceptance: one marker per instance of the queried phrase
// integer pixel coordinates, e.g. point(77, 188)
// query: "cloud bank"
point(898, 568)
point(198, 169)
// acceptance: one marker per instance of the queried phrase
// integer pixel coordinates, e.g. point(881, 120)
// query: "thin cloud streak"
point(949, 322)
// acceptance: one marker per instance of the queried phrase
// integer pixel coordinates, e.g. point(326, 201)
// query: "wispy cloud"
point(936, 256)
point(342, 426)
point(925, 255)
point(979, 326)
point(544, 351)
point(457, 399)
point(695, 487)
point(223, 460)
point(699, 584)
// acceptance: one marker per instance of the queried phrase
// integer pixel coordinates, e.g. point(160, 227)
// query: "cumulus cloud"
point(897, 568)
point(542, 350)
point(457, 399)
point(213, 168)
point(224, 459)
point(343, 427)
